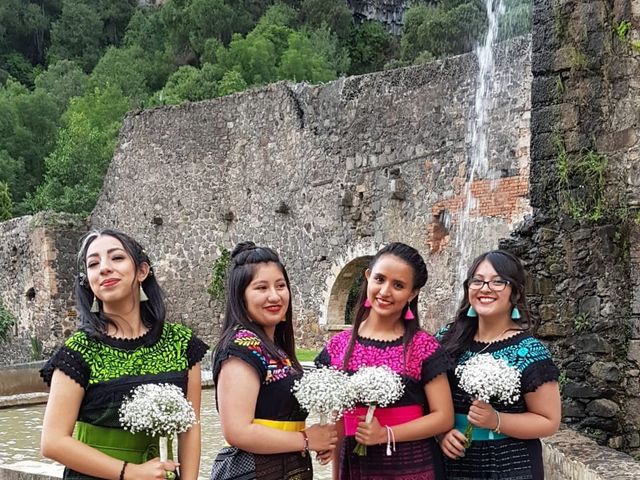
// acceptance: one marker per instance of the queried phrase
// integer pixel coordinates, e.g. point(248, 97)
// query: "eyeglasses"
point(495, 285)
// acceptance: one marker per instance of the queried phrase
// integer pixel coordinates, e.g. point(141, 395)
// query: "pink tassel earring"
point(367, 303)
point(408, 315)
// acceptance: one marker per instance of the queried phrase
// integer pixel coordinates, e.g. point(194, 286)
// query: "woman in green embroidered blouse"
point(123, 341)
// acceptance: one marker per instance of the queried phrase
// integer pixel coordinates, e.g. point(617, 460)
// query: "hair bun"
point(243, 247)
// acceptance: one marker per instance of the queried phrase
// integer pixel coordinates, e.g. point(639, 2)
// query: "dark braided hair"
point(411, 257)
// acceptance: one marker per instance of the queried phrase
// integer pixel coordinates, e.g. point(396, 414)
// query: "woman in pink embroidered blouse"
point(386, 331)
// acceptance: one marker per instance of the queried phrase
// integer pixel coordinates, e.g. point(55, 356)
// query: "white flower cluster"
point(325, 391)
point(157, 409)
point(379, 386)
point(487, 378)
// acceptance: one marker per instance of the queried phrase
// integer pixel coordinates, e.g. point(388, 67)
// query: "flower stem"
point(361, 449)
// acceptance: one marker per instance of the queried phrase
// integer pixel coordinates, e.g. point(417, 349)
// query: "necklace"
point(496, 338)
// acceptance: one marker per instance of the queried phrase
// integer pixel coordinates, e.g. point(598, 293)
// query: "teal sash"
point(119, 443)
point(478, 433)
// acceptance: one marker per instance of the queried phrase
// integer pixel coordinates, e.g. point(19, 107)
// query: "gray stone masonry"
point(323, 174)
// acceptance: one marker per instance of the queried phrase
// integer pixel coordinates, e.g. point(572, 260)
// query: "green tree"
point(231, 82)
point(449, 28)
point(333, 13)
point(6, 204)
point(209, 19)
point(62, 81)
point(300, 62)
point(254, 57)
point(27, 134)
point(115, 16)
point(125, 68)
point(326, 43)
point(77, 34)
point(76, 167)
point(189, 84)
point(369, 48)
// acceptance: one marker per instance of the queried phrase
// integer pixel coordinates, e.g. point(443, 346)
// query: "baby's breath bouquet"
point(158, 410)
point(487, 378)
point(375, 387)
point(326, 392)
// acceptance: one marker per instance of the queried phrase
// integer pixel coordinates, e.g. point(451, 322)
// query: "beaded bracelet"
point(124, 465)
point(497, 429)
point(305, 449)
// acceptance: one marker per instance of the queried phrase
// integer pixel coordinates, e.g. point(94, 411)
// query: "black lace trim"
point(68, 362)
point(196, 351)
point(379, 343)
point(439, 362)
point(541, 372)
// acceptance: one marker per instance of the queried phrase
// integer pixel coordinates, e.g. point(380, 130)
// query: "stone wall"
point(36, 274)
point(582, 245)
point(325, 175)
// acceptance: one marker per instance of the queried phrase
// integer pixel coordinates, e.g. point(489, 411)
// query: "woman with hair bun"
point(122, 342)
point(254, 367)
point(494, 318)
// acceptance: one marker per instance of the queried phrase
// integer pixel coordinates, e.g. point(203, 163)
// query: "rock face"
point(389, 12)
point(582, 246)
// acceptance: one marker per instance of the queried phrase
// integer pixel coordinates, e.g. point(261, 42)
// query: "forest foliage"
point(71, 69)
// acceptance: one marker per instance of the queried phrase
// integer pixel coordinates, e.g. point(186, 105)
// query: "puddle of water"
point(20, 430)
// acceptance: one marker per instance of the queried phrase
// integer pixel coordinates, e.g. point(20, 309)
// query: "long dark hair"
point(411, 257)
point(245, 259)
point(461, 331)
point(152, 312)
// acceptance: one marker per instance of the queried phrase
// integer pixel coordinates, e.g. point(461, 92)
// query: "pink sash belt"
point(386, 416)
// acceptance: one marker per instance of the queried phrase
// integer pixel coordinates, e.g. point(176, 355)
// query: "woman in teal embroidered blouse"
point(123, 341)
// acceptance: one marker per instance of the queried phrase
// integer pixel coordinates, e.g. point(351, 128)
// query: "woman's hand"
point(324, 456)
point(482, 414)
point(370, 433)
point(322, 437)
point(452, 444)
point(152, 470)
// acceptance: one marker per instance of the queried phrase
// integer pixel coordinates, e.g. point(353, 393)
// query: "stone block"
point(607, 371)
point(602, 407)
point(634, 351)
point(592, 343)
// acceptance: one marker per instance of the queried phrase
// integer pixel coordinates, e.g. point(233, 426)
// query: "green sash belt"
point(119, 443)
point(478, 433)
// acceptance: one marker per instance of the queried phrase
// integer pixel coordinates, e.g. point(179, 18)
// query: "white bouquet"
point(158, 410)
point(375, 387)
point(325, 392)
point(487, 378)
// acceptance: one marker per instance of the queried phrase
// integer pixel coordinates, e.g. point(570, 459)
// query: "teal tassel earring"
point(471, 312)
point(143, 295)
point(95, 307)
point(515, 313)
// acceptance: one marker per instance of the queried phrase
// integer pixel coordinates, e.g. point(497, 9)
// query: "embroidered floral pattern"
point(421, 347)
point(106, 362)
point(277, 369)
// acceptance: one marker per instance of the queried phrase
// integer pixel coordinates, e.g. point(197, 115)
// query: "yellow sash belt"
point(285, 425)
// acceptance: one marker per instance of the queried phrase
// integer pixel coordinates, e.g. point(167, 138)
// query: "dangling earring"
point(408, 315)
point(515, 313)
point(471, 312)
point(367, 303)
point(95, 307)
point(143, 295)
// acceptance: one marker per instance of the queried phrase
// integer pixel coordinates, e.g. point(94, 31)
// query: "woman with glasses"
point(494, 318)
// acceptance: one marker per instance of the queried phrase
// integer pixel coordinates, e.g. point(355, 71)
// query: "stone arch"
point(339, 294)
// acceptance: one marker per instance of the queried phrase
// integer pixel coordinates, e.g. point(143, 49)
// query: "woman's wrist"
point(305, 445)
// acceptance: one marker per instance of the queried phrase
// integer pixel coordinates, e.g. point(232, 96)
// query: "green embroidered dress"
point(109, 368)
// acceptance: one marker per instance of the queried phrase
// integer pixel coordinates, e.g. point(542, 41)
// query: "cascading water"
point(478, 165)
